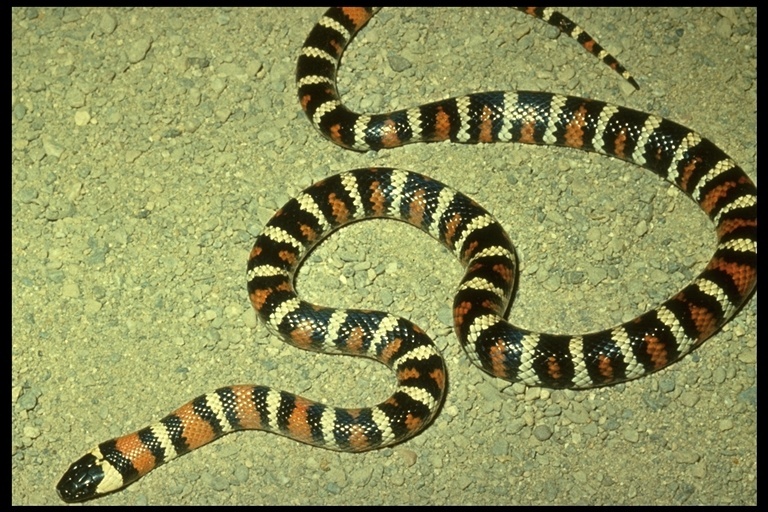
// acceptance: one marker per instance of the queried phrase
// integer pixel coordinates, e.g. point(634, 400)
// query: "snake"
point(633, 349)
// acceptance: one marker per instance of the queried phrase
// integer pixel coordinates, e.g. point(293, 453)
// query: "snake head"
point(82, 479)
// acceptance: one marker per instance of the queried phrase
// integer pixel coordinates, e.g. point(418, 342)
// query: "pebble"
point(107, 24)
point(630, 435)
point(28, 400)
point(52, 147)
point(398, 63)
point(725, 424)
point(542, 432)
point(500, 446)
point(408, 456)
point(82, 117)
point(577, 414)
point(137, 50)
point(686, 456)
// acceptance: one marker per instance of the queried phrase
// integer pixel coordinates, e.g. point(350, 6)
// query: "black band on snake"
point(635, 348)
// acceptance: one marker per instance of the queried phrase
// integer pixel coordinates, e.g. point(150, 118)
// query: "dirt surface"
point(150, 146)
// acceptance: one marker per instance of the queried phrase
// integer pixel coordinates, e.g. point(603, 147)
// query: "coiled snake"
point(635, 348)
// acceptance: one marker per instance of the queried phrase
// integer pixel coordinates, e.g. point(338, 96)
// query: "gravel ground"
point(150, 146)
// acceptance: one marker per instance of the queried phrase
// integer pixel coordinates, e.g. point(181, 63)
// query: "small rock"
point(138, 50)
point(542, 432)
